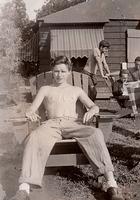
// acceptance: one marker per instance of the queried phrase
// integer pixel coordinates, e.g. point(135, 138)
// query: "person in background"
point(97, 60)
point(134, 72)
point(119, 89)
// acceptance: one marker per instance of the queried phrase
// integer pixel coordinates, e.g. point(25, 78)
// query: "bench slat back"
point(48, 78)
point(85, 82)
point(80, 80)
point(40, 80)
point(75, 78)
point(33, 86)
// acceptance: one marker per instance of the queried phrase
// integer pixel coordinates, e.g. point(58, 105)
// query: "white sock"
point(112, 183)
point(110, 179)
point(25, 186)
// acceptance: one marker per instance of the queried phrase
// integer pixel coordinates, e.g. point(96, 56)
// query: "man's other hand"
point(32, 116)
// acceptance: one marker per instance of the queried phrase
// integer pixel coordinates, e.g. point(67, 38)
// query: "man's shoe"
point(113, 194)
point(21, 195)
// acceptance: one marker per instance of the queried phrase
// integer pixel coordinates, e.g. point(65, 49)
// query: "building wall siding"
point(45, 41)
point(115, 33)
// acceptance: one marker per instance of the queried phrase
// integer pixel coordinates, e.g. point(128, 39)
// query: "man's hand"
point(106, 77)
point(88, 116)
point(108, 74)
point(32, 116)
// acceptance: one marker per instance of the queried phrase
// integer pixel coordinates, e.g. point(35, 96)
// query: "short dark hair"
point(123, 71)
point(137, 58)
point(61, 60)
point(104, 43)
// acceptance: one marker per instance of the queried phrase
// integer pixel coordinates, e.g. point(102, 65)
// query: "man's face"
point(104, 50)
point(124, 77)
point(60, 73)
point(137, 64)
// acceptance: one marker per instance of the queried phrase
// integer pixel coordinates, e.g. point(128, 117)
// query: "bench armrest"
point(96, 119)
point(99, 116)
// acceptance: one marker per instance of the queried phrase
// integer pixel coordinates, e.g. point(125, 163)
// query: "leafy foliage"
point(10, 38)
point(21, 19)
point(54, 5)
point(15, 29)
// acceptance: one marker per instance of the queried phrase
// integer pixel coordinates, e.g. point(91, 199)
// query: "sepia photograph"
point(69, 99)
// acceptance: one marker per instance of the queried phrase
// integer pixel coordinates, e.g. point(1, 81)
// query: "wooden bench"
point(67, 152)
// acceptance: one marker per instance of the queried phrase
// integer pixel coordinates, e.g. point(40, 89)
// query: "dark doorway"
point(78, 64)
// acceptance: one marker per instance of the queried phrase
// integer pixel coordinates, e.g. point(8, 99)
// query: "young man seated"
point(62, 123)
point(134, 72)
point(119, 89)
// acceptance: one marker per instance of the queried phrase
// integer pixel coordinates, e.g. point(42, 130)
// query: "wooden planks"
point(48, 78)
point(32, 81)
point(103, 88)
point(40, 80)
point(66, 160)
point(77, 79)
point(85, 80)
point(115, 33)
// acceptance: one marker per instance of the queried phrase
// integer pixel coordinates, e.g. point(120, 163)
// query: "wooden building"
point(75, 31)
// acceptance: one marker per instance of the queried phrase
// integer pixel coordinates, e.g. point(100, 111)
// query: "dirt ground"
point(71, 183)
